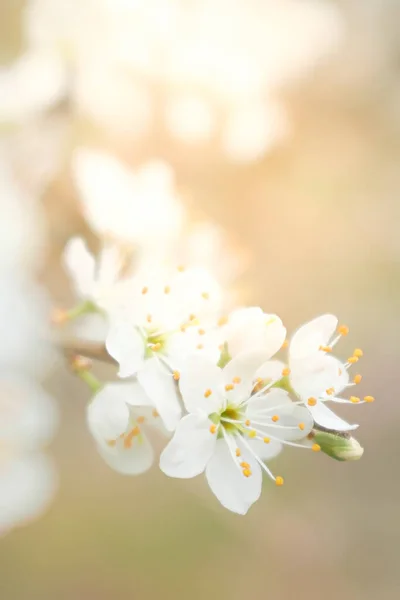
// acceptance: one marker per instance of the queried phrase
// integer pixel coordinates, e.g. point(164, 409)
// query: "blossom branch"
point(77, 347)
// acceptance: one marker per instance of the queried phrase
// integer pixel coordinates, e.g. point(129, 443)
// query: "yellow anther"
point(145, 290)
point(236, 380)
point(167, 289)
point(149, 318)
point(155, 413)
point(111, 443)
point(229, 387)
point(285, 344)
point(213, 428)
point(247, 422)
point(266, 440)
point(259, 380)
point(156, 347)
point(279, 480)
point(176, 375)
point(330, 391)
point(285, 372)
point(357, 378)
point(246, 472)
point(352, 360)
point(343, 330)
point(275, 418)
point(181, 268)
point(192, 317)
point(201, 332)
point(238, 452)
point(205, 295)
point(129, 437)
point(354, 399)
point(301, 426)
point(207, 393)
point(245, 465)
point(80, 363)
point(252, 433)
point(140, 420)
point(199, 346)
point(315, 447)
point(369, 399)
point(59, 316)
point(311, 402)
point(222, 321)
point(325, 348)
point(358, 352)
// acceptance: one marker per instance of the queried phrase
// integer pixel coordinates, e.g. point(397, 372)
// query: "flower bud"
point(339, 447)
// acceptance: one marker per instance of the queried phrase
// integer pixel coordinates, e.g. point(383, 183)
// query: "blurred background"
point(280, 120)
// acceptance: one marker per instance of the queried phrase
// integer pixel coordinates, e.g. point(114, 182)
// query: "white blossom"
point(316, 376)
point(231, 429)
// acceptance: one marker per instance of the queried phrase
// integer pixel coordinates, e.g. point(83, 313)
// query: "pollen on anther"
point(222, 321)
point(330, 391)
point(246, 472)
point(301, 426)
point(315, 447)
point(192, 317)
point(167, 289)
point(247, 422)
point(145, 290)
point(236, 380)
point(352, 360)
point(238, 452)
point(266, 440)
point(155, 413)
point(325, 348)
point(199, 346)
point(343, 330)
point(205, 295)
point(285, 344)
point(141, 419)
point(207, 393)
point(181, 268)
point(245, 465)
point(357, 378)
point(176, 375)
point(285, 372)
point(201, 331)
point(279, 480)
point(354, 399)
point(275, 418)
point(229, 387)
point(252, 433)
point(369, 399)
point(358, 352)
point(213, 428)
point(311, 402)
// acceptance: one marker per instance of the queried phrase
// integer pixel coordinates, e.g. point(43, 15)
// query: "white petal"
point(81, 266)
point(190, 449)
point(270, 371)
point(108, 414)
point(134, 460)
point(250, 329)
point(235, 491)
point(126, 345)
point(311, 377)
point(183, 344)
point(266, 451)
point(242, 369)
point(162, 390)
point(199, 377)
point(109, 264)
point(325, 417)
point(307, 340)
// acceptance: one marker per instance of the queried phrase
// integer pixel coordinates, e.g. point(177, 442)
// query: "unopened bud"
point(225, 357)
point(339, 447)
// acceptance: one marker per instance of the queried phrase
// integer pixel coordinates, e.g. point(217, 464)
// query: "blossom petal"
point(308, 338)
point(250, 329)
point(126, 345)
point(325, 417)
point(239, 375)
point(270, 371)
point(162, 390)
point(225, 478)
point(200, 384)
point(81, 266)
point(312, 377)
point(107, 414)
point(266, 451)
point(132, 460)
point(190, 449)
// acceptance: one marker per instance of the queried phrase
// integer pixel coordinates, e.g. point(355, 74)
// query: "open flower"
point(118, 417)
point(318, 377)
point(157, 324)
point(230, 429)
